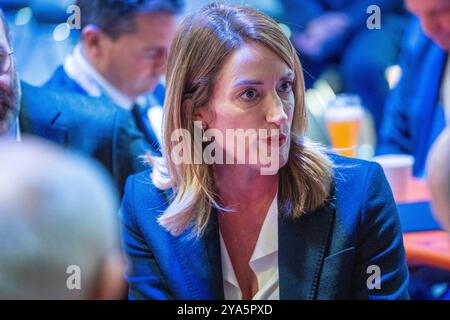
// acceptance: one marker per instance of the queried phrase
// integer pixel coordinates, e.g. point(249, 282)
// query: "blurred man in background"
point(415, 110)
point(57, 224)
point(83, 124)
point(9, 84)
point(439, 177)
point(122, 56)
point(416, 115)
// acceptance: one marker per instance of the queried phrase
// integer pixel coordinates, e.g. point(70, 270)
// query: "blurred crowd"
point(81, 98)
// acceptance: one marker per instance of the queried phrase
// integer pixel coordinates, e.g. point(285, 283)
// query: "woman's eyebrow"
point(288, 75)
point(246, 82)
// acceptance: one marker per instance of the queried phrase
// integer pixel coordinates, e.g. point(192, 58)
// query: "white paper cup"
point(398, 171)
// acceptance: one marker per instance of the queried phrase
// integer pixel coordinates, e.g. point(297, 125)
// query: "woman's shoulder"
point(358, 179)
point(141, 232)
point(354, 168)
point(141, 194)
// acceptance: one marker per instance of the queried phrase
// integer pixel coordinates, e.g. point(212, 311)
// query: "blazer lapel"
point(201, 262)
point(302, 245)
point(301, 248)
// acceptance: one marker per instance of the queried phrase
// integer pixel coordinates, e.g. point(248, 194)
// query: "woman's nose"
point(276, 113)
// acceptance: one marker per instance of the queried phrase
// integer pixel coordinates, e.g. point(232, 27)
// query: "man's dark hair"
point(116, 17)
point(5, 26)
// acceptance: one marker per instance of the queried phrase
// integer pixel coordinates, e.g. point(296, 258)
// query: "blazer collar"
point(302, 245)
point(201, 262)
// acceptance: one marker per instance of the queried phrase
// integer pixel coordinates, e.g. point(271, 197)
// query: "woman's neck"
point(241, 186)
point(249, 194)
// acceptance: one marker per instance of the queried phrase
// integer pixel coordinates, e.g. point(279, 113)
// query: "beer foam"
point(343, 114)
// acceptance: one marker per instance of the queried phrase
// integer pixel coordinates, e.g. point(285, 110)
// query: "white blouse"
point(264, 261)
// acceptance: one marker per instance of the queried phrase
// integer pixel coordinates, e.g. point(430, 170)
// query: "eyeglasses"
point(5, 61)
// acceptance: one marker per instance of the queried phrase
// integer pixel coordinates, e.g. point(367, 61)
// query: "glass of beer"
point(343, 118)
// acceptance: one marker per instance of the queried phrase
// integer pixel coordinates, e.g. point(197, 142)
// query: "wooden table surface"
point(431, 248)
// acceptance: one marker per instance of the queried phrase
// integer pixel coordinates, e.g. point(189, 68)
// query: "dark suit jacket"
point(86, 125)
point(61, 81)
point(325, 254)
point(414, 114)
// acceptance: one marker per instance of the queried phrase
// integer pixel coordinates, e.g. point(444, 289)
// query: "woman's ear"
point(200, 113)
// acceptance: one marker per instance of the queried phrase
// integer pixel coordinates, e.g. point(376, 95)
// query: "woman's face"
point(253, 90)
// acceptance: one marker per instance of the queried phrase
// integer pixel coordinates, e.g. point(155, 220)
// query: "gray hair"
point(116, 17)
point(57, 210)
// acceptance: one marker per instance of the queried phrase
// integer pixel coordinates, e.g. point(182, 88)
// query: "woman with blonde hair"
point(243, 206)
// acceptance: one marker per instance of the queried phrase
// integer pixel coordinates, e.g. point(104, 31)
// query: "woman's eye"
point(249, 95)
point(286, 87)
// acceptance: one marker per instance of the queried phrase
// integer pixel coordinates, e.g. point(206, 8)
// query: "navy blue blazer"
point(414, 115)
point(325, 254)
point(60, 80)
point(85, 125)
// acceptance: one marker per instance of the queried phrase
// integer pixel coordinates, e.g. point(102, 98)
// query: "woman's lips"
point(280, 138)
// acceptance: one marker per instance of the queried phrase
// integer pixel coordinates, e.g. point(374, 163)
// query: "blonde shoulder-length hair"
point(202, 43)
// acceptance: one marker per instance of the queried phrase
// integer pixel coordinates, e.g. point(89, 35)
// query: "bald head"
point(439, 177)
point(57, 220)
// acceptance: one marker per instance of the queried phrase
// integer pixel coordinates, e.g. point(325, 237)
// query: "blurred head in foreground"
point(439, 177)
point(57, 225)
